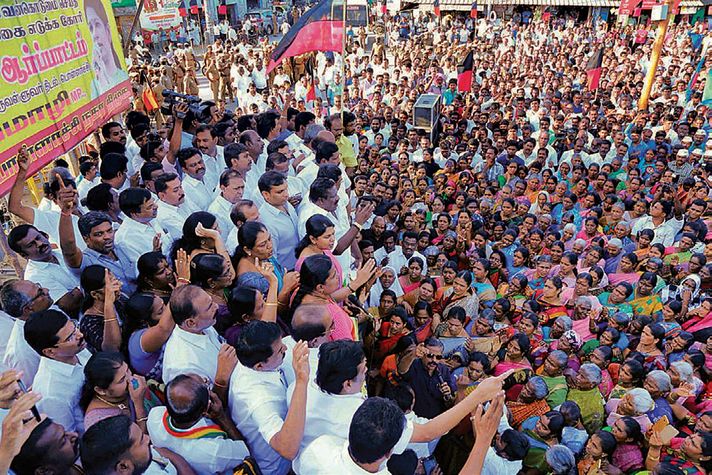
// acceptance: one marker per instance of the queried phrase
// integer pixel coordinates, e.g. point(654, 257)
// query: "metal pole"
point(133, 25)
point(655, 57)
point(343, 59)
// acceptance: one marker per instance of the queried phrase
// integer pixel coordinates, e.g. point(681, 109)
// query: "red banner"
point(61, 136)
point(627, 7)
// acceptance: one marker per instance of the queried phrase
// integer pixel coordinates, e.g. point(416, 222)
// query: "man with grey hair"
point(19, 299)
point(659, 385)
point(586, 394)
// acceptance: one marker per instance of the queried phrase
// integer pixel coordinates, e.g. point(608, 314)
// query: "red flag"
point(309, 69)
point(473, 10)
point(464, 74)
point(593, 69)
point(321, 28)
point(222, 10)
point(149, 99)
point(194, 9)
point(436, 6)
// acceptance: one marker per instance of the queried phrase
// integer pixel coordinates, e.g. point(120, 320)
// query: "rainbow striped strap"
point(208, 432)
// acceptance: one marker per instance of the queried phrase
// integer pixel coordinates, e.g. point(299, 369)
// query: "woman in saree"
point(445, 280)
point(411, 281)
point(567, 269)
point(482, 285)
point(626, 271)
point(552, 372)
point(538, 276)
point(424, 293)
point(645, 302)
point(517, 291)
point(617, 300)
point(497, 268)
point(549, 298)
point(461, 295)
point(423, 321)
point(386, 333)
point(651, 346)
point(513, 355)
point(630, 375)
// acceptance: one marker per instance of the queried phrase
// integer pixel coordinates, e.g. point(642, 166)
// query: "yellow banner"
point(62, 75)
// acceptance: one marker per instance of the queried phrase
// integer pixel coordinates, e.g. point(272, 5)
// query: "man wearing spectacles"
point(430, 379)
point(20, 299)
point(60, 375)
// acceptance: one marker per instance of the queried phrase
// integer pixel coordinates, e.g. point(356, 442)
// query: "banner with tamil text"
point(160, 14)
point(62, 75)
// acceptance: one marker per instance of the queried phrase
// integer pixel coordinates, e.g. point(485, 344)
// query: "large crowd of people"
point(294, 278)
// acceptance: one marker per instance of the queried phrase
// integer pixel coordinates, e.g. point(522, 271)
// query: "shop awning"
point(465, 5)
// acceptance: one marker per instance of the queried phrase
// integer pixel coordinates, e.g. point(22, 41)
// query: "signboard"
point(627, 7)
point(62, 75)
point(157, 14)
point(123, 4)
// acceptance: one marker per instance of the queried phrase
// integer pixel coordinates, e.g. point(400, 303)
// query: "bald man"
point(192, 408)
point(311, 323)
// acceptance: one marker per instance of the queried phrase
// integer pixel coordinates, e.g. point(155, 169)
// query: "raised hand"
point(300, 361)
point(227, 360)
point(112, 286)
point(66, 195)
point(182, 265)
point(23, 158)
point(18, 424)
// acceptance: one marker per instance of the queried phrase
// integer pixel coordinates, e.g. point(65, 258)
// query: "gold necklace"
point(123, 407)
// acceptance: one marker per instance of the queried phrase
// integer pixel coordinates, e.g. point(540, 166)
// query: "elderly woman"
point(570, 343)
point(586, 394)
point(635, 403)
point(552, 372)
point(530, 405)
point(561, 460)
point(658, 385)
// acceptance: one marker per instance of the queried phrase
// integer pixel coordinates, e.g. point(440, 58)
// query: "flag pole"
point(343, 59)
point(655, 57)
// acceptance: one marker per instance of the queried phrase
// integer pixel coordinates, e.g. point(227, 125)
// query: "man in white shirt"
point(206, 140)
point(280, 217)
point(140, 232)
point(259, 76)
point(324, 200)
point(311, 323)
point(90, 178)
point(19, 299)
point(336, 393)
point(173, 209)
point(195, 346)
point(379, 429)
point(46, 266)
point(398, 259)
point(232, 187)
point(60, 375)
point(194, 425)
point(506, 454)
point(664, 231)
point(271, 424)
point(198, 189)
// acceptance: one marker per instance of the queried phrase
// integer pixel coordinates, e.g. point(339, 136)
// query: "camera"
point(170, 98)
